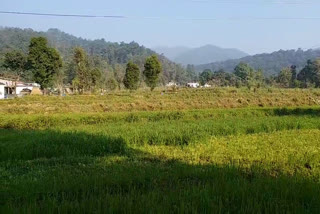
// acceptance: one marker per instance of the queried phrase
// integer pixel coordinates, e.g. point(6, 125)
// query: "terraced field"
point(198, 157)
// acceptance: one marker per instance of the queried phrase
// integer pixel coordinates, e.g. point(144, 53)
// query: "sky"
point(253, 26)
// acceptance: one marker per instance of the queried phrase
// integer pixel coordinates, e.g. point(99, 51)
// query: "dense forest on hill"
point(271, 64)
point(111, 55)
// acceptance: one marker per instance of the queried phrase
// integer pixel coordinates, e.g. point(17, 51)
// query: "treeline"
point(245, 75)
point(110, 57)
point(271, 63)
point(44, 65)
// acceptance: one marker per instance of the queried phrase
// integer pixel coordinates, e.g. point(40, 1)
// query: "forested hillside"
point(110, 55)
point(271, 64)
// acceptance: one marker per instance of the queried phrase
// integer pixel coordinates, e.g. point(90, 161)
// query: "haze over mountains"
point(201, 55)
point(215, 58)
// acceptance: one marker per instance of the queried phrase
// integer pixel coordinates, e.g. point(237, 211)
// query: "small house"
point(2, 90)
point(21, 88)
point(193, 85)
point(171, 84)
point(11, 88)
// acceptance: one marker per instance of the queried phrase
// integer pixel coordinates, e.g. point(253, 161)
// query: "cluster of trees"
point(40, 64)
point(245, 75)
point(110, 57)
point(308, 77)
point(43, 64)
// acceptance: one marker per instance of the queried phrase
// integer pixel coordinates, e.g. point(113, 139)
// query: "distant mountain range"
point(270, 63)
point(201, 55)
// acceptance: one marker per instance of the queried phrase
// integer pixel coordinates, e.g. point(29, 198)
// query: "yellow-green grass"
point(163, 100)
point(188, 155)
point(260, 173)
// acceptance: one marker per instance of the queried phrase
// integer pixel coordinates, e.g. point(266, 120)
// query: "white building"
point(193, 85)
point(2, 90)
point(171, 84)
point(9, 88)
point(20, 87)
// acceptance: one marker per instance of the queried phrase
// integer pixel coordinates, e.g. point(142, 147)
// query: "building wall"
point(1, 91)
point(20, 88)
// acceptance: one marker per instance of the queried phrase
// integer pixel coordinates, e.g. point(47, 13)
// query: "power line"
point(158, 18)
point(61, 15)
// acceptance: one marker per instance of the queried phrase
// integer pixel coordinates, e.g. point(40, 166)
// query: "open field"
point(194, 151)
point(183, 99)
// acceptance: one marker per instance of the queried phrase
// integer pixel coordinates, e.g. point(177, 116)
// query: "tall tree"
point(316, 73)
point(132, 76)
point(119, 72)
point(310, 74)
point(152, 69)
point(43, 61)
point(205, 76)
point(245, 73)
point(83, 74)
point(16, 62)
point(294, 82)
point(285, 77)
point(97, 79)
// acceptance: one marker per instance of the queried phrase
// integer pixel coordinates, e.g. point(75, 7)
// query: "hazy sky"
point(253, 26)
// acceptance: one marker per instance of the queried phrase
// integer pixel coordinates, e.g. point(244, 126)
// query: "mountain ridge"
point(200, 55)
point(270, 63)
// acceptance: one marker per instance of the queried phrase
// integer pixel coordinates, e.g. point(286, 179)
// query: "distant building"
point(22, 88)
point(2, 90)
point(10, 88)
point(193, 85)
point(171, 84)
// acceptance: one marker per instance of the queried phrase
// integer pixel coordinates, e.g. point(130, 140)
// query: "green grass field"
point(192, 157)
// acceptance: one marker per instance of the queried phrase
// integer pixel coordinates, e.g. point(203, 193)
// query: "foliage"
point(119, 72)
point(111, 84)
point(97, 79)
point(108, 53)
point(205, 76)
point(82, 69)
point(152, 69)
point(249, 76)
point(285, 77)
point(271, 64)
point(132, 76)
point(310, 74)
point(16, 61)
point(222, 79)
point(244, 71)
point(43, 61)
